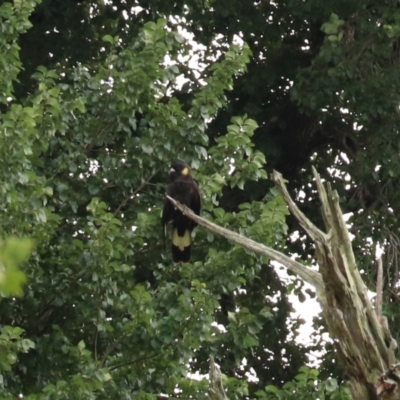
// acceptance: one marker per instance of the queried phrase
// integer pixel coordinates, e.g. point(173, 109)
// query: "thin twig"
point(142, 185)
point(379, 289)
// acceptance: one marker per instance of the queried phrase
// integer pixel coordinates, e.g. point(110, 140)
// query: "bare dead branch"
point(304, 272)
point(313, 232)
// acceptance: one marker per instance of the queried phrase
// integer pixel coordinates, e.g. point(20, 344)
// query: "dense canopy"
point(97, 99)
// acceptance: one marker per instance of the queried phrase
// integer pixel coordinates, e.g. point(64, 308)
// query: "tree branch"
point(216, 391)
point(313, 232)
point(304, 272)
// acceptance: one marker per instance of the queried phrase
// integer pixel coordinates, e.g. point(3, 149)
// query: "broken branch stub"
point(216, 391)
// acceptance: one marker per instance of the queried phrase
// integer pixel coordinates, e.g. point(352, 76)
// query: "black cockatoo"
point(184, 189)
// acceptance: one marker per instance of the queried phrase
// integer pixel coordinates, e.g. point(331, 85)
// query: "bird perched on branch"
point(184, 189)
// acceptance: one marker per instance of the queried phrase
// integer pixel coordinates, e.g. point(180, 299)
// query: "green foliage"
point(85, 155)
point(13, 251)
point(14, 21)
point(11, 345)
point(307, 386)
point(97, 99)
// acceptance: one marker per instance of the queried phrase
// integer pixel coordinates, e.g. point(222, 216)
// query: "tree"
point(92, 114)
point(363, 341)
point(85, 154)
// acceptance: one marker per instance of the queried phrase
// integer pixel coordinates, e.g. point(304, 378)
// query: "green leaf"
point(147, 148)
point(81, 346)
point(272, 389)
point(108, 38)
point(232, 317)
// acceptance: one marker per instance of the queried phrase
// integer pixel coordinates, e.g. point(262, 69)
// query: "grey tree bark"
point(216, 391)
